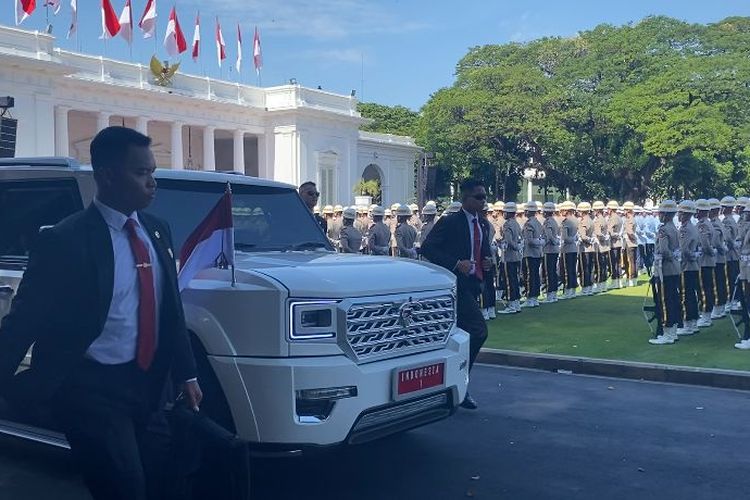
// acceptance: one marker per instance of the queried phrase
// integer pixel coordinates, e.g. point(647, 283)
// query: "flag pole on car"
point(211, 244)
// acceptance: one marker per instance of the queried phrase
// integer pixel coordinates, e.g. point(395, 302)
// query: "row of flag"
point(122, 25)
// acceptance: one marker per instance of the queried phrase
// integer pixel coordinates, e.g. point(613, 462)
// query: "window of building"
point(327, 167)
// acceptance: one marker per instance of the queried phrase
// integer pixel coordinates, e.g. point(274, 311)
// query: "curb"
point(674, 374)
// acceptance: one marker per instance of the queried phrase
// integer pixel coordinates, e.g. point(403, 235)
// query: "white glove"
point(698, 254)
point(677, 255)
point(540, 242)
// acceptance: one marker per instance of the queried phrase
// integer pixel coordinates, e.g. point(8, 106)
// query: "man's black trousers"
point(470, 319)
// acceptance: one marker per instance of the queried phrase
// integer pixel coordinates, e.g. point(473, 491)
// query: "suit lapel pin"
point(156, 233)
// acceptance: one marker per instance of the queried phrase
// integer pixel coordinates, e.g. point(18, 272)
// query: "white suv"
point(309, 347)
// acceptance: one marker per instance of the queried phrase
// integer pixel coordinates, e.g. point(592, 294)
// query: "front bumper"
point(261, 393)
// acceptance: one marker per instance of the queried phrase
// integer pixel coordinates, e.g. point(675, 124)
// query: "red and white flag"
point(239, 49)
point(55, 4)
point(174, 38)
point(221, 48)
point(110, 23)
point(148, 19)
point(257, 55)
point(126, 22)
point(211, 244)
point(24, 8)
point(197, 37)
point(73, 18)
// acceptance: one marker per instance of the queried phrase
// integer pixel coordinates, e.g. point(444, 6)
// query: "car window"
point(265, 218)
point(26, 206)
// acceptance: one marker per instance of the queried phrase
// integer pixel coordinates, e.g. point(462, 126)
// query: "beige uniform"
point(614, 227)
point(718, 241)
point(512, 242)
point(601, 233)
point(586, 234)
point(629, 236)
point(745, 256)
point(706, 231)
point(690, 244)
point(551, 235)
point(350, 239)
point(568, 232)
point(667, 253)
point(532, 238)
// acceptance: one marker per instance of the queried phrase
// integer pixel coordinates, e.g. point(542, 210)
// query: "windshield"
point(265, 218)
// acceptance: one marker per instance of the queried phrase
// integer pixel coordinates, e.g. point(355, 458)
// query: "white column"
point(239, 151)
point(530, 187)
point(209, 156)
point(102, 121)
point(62, 138)
point(177, 160)
point(141, 125)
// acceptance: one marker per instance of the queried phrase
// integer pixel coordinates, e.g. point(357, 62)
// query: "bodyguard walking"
point(459, 242)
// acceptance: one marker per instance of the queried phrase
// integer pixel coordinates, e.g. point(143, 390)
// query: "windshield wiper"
point(304, 245)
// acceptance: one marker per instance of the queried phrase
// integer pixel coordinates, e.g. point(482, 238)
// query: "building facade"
point(286, 133)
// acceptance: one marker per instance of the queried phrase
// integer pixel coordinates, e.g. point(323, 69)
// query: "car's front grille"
point(382, 329)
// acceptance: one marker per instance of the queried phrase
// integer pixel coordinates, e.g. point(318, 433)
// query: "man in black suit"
point(309, 193)
point(460, 243)
point(100, 304)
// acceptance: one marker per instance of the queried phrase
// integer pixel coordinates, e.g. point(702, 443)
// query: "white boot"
point(550, 298)
point(736, 306)
point(743, 345)
point(685, 330)
point(485, 314)
point(718, 312)
point(668, 337)
point(694, 326)
point(492, 312)
point(704, 321)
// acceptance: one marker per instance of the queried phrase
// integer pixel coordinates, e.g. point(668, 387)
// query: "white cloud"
point(313, 18)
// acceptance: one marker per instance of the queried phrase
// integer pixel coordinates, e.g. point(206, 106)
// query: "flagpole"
point(234, 277)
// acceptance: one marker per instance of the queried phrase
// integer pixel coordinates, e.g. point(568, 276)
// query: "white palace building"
point(287, 133)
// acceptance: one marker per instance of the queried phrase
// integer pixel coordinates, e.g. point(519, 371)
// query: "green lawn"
point(611, 326)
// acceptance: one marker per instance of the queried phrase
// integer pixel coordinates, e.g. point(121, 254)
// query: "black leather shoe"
point(469, 403)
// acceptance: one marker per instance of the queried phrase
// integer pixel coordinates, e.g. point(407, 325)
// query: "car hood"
point(332, 275)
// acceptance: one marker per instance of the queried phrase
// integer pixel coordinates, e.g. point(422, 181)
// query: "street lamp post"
point(532, 173)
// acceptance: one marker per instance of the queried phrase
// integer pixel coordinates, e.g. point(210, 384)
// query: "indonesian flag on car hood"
point(24, 8)
point(211, 244)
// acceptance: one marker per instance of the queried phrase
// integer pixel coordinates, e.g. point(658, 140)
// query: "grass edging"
point(690, 375)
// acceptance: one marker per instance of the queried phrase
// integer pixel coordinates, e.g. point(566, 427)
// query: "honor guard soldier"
point(629, 244)
point(511, 247)
point(733, 244)
point(720, 271)
point(488, 297)
point(690, 246)
point(614, 226)
point(601, 235)
point(350, 239)
point(666, 275)
point(587, 249)
point(379, 236)
point(744, 344)
point(551, 250)
point(361, 224)
point(739, 216)
point(405, 234)
point(428, 212)
point(498, 223)
point(569, 249)
point(707, 262)
point(532, 255)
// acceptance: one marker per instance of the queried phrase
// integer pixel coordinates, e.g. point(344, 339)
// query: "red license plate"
point(422, 377)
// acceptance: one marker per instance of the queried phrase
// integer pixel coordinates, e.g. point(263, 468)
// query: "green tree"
point(397, 120)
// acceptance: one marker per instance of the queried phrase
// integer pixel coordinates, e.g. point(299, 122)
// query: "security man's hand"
point(193, 394)
point(463, 267)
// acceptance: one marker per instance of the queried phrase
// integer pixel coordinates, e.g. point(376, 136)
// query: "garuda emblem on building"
point(163, 73)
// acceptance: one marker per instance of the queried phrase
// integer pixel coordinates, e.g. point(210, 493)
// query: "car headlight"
point(312, 320)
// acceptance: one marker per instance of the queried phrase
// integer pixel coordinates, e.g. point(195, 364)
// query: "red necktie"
point(146, 346)
point(477, 250)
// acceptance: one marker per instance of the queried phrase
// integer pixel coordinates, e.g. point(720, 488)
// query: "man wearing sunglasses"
point(309, 193)
point(460, 242)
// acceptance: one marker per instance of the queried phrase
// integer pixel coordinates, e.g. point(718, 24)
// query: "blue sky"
point(409, 47)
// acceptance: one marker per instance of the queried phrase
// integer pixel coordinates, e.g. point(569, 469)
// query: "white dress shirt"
point(474, 258)
point(117, 342)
